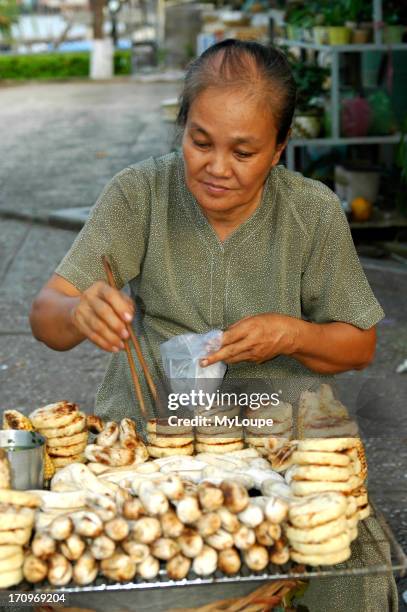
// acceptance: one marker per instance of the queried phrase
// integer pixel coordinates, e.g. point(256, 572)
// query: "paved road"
point(63, 143)
point(66, 140)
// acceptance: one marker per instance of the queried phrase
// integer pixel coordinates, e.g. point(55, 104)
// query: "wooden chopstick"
point(134, 339)
point(130, 359)
point(150, 382)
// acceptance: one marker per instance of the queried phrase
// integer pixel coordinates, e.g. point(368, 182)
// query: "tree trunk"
point(98, 17)
point(101, 59)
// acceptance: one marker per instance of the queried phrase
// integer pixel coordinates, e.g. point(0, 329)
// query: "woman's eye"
point(243, 154)
point(201, 145)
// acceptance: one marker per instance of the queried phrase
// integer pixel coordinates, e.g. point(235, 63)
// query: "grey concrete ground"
point(63, 143)
point(59, 145)
point(67, 140)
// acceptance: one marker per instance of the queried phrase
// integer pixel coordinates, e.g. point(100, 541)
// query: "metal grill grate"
point(352, 567)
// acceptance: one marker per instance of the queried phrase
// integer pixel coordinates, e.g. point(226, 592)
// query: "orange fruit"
point(361, 209)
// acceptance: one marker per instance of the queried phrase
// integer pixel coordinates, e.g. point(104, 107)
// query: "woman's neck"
point(225, 223)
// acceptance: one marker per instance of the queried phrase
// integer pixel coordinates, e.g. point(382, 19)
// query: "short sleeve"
point(117, 227)
point(334, 286)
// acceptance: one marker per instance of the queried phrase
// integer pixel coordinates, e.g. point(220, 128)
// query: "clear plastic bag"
point(181, 356)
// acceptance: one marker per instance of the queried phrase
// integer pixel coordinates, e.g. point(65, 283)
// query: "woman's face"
point(229, 147)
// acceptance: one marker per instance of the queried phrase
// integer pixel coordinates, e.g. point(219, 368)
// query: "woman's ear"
point(280, 148)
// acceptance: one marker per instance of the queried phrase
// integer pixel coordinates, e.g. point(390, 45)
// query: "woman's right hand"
point(101, 314)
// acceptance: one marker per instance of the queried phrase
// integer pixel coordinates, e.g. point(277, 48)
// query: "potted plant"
point(393, 29)
point(298, 18)
point(360, 20)
point(320, 30)
point(335, 16)
point(310, 80)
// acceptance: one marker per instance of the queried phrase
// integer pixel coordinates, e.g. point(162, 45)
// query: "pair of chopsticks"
point(137, 347)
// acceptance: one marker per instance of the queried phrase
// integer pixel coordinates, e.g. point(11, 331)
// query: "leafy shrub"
point(56, 65)
point(122, 62)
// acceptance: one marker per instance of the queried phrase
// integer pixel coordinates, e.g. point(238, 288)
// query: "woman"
point(220, 236)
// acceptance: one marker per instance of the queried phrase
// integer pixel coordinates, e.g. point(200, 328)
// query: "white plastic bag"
point(181, 356)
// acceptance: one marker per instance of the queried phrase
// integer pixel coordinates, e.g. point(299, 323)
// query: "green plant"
point(310, 80)
point(300, 15)
point(358, 11)
point(56, 65)
point(391, 12)
point(122, 61)
point(336, 13)
point(161, 56)
point(339, 12)
point(189, 49)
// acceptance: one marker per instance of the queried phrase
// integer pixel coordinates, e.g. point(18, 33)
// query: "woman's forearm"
point(327, 348)
point(330, 348)
point(62, 316)
point(51, 320)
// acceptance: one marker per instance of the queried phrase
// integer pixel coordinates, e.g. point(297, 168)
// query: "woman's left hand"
point(257, 338)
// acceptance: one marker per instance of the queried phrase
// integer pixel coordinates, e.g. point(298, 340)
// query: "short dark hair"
point(233, 63)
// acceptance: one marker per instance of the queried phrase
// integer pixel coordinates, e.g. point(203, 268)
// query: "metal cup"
point(27, 463)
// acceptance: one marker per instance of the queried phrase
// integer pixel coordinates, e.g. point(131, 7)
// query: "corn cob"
point(5, 480)
point(49, 467)
point(13, 419)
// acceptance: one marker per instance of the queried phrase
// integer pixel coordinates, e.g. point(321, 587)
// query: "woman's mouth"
point(215, 189)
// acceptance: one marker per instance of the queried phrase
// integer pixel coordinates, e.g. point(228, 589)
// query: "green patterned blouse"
point(293, 256)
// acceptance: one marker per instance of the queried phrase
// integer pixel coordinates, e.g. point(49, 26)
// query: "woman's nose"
point(218, 166)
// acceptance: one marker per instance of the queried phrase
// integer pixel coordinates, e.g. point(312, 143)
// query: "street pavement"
point(59, 145)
